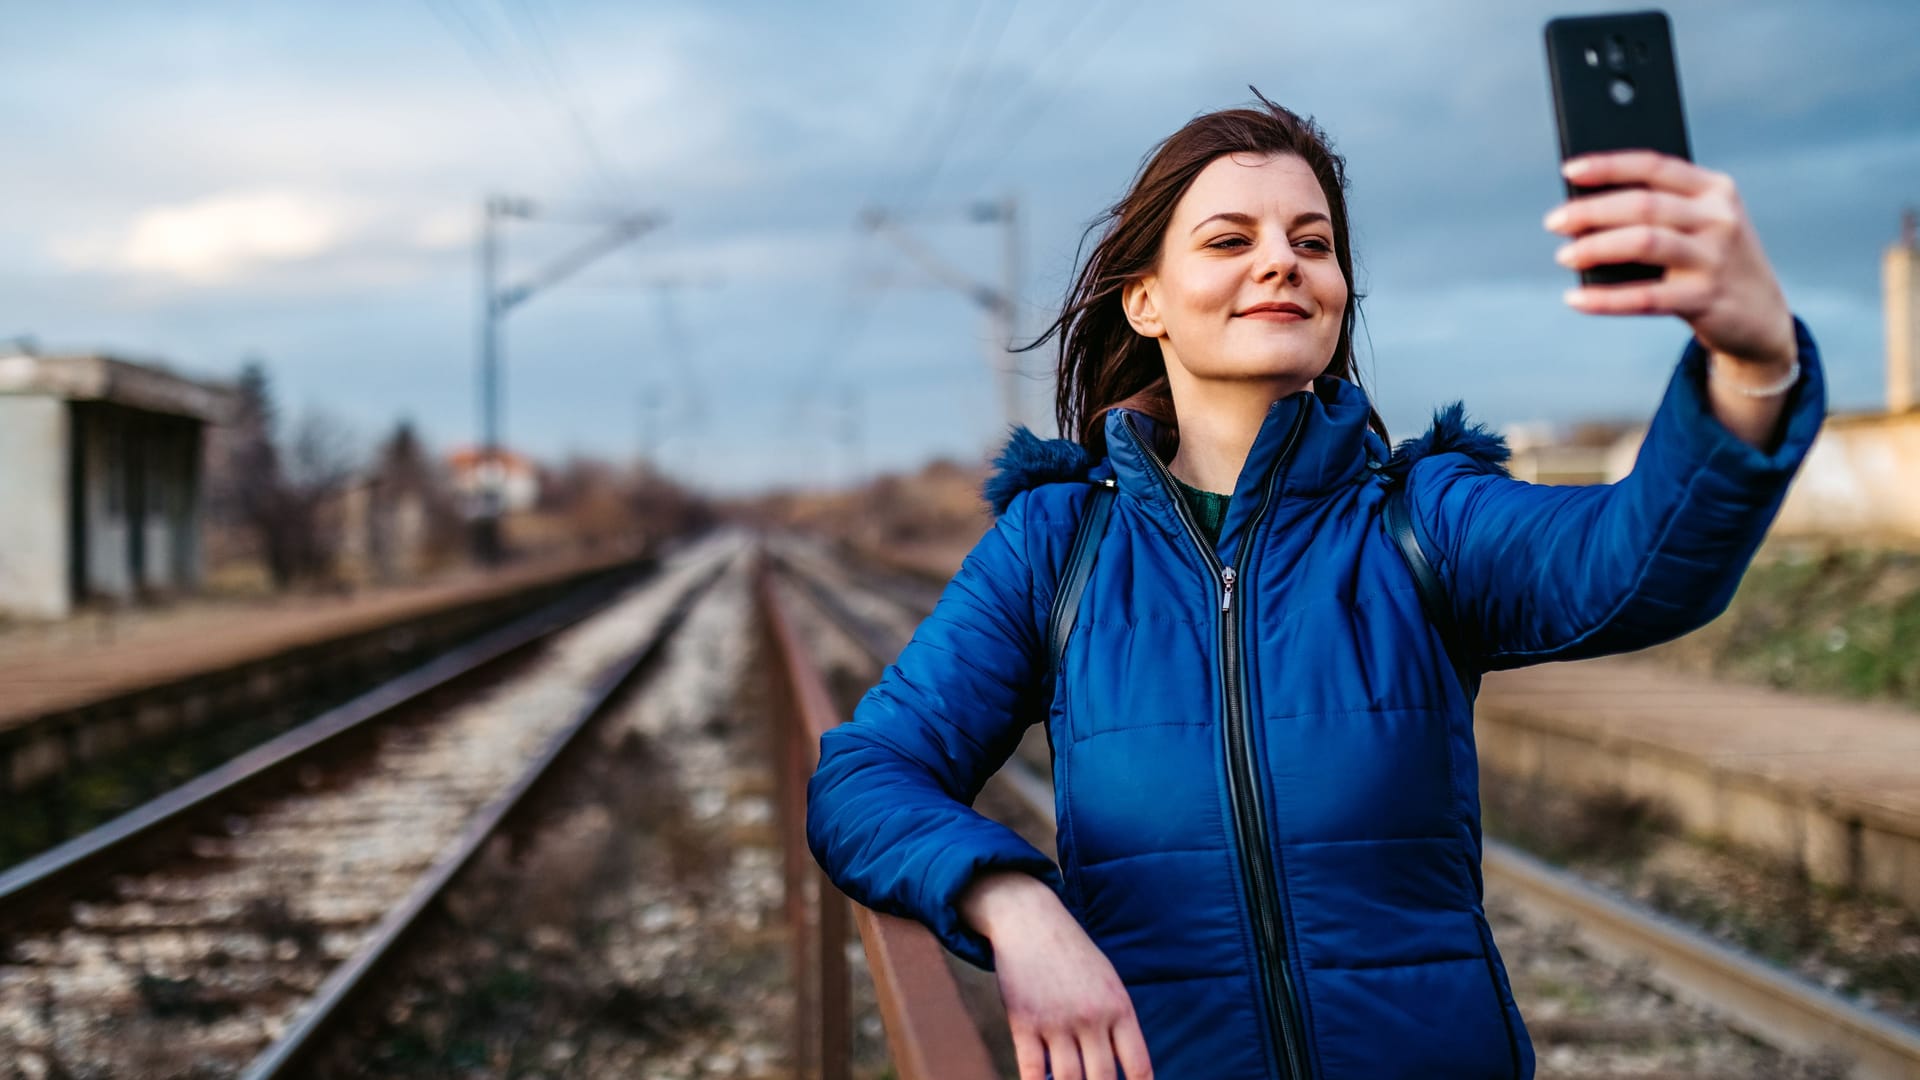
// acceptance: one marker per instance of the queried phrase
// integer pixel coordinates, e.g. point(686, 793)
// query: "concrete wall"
point(35, 515)
point(1861, 478)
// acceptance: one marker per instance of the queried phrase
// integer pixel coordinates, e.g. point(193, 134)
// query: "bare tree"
point(280, 492)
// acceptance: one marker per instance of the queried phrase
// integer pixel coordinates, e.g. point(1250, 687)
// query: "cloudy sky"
point(199, 182)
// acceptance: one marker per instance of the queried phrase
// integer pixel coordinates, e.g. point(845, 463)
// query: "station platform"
point(1833, 786)
point(56, 667)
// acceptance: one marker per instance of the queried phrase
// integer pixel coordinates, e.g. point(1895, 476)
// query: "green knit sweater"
point(1209, 510)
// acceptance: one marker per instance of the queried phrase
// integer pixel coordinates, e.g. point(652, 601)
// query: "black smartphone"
point(1615, 87)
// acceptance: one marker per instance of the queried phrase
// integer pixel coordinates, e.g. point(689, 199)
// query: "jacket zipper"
point(1250, 830)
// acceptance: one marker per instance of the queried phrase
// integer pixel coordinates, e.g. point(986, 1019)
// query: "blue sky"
point(199, 181)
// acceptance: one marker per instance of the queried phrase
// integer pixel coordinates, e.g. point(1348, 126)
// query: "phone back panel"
point(1615, 87)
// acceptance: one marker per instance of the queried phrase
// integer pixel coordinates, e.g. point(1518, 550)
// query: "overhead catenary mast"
point(999, 303)
point(496, 302)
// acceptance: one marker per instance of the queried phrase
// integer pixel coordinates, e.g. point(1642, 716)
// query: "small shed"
point(100, 475)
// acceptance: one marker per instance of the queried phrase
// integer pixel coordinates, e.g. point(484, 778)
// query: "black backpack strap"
point(1079, 568)
point(1433, 594)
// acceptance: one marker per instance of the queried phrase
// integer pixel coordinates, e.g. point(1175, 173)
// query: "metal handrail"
point(929, 1032)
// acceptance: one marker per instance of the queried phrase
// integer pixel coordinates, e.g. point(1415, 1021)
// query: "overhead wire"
point(544, 54)
point(852, 314)
point(1024, 119)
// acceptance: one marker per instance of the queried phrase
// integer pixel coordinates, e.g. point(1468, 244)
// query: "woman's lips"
point(1270, 315)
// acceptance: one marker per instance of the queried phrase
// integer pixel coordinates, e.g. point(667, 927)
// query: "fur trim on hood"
point(1027, 461)
point(1452, 433)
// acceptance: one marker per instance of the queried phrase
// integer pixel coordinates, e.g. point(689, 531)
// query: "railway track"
point(234, 946)
point(1608, 989)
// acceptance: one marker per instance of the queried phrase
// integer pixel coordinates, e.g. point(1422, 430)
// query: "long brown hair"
point(1104, 364)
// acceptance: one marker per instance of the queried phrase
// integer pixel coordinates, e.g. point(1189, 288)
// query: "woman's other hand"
point(1690, 221)
point(1065, 1003)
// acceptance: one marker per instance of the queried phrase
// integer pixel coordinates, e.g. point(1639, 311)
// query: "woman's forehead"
point(1277, 185)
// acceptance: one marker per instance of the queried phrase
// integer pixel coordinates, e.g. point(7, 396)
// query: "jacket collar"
point(1310, 443)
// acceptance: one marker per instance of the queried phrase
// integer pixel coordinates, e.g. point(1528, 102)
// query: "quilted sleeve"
point(889, 810)
point(1541, 572)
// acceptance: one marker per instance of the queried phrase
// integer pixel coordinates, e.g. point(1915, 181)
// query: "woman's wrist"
point(1755, 378)
point(998, 899)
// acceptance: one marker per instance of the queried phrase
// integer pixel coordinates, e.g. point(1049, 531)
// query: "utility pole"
point(999, 304)
point(495, 304)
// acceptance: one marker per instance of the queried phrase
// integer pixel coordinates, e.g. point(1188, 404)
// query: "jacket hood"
point(1028, 461)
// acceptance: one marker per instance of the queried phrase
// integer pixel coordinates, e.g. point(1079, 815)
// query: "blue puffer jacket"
point(1263, 760)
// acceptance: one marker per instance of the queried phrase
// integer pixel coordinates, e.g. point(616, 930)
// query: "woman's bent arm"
point(889, 814)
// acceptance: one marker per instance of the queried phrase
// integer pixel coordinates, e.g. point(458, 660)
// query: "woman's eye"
point(1226, 242)
point(1318, 245)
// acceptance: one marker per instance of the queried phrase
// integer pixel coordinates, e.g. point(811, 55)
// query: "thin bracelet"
point(1770, 390)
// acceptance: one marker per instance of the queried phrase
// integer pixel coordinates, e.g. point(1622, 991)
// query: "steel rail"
point(289, 1052)
point(35, 879)
point(1762, 999)
point(1766, 1001)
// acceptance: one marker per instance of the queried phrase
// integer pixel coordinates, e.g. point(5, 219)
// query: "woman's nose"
point(1278, 260)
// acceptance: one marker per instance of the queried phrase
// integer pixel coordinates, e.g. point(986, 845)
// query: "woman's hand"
point(1688, 220)
point(1064, 1001)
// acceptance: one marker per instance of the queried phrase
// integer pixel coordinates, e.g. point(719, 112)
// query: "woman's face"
point(1251, 234)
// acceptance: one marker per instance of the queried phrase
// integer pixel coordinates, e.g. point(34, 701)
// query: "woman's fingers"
point(1637, 206)
point(1689, 220)
point(1063, 1053)
point(1030, 1051)
point(1654, 245)
point(1686, 298)
point(1096, 1053)
point(1663, 172)
point(1131, 1048)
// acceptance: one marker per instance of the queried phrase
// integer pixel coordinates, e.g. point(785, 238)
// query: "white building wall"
point(35, 517)
point(1860, 480)
point(1900, 283)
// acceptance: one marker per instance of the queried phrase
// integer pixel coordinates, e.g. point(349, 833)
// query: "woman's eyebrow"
point(1239, 218)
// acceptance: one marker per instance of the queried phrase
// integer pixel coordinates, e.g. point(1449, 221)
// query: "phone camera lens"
point(1621, 90)
point(1616, 53)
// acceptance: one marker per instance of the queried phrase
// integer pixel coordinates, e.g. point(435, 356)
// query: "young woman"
point(1269, 836)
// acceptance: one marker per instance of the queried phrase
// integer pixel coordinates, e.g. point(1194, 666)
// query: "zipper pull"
point(1226, 592)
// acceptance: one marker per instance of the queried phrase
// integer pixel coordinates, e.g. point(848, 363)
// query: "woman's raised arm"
point(1551, 573)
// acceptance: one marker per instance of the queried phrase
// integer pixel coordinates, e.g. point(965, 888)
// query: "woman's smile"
point(1274, 312)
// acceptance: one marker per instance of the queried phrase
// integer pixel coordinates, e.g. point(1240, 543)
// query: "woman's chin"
point(1283, 368)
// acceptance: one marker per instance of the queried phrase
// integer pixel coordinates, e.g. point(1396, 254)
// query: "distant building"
point(515, 477)
point(1862, 477)
point(100, 476)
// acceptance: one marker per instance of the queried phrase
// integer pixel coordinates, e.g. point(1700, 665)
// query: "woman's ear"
point(1143, 314)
